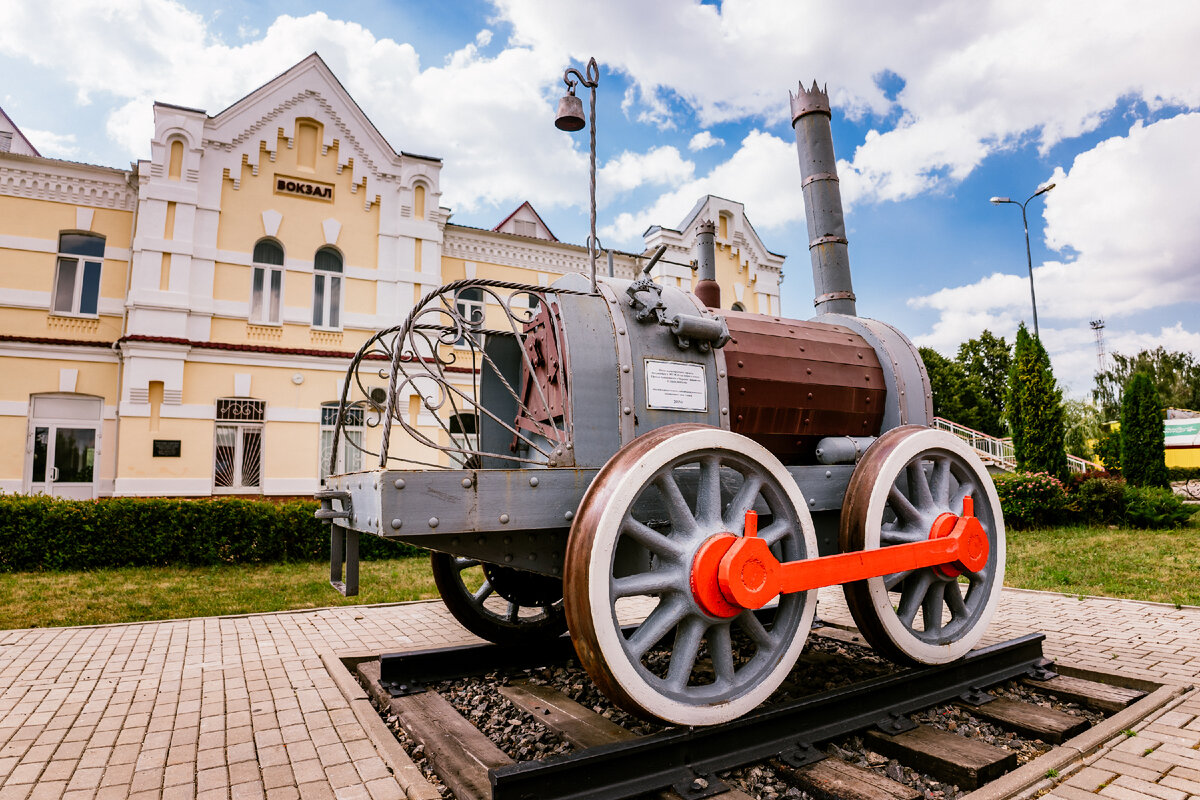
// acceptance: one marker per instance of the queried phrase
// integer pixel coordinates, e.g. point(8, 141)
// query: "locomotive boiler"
point(671, 482)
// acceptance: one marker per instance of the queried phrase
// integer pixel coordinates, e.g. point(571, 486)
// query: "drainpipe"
point(708, 291)
point(822, 202)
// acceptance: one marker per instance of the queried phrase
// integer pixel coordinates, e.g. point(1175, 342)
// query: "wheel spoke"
point(890, 581)
point(743, 501)
point(940, 484)
point(651, 539)
point(910, 599)
point(954, 599)
point(664, 617)
point(720, 645)
point(483, 592)
point(753, 626)
point(775, 531)
point(465, 563)
point(889, 536)
point(918, 485)
point(964, 489)
point(514, 611)
point(708, 493)
point(655, 582)
point(683, 655)
point(902, 506)
point(931, 608)
point(677, 506)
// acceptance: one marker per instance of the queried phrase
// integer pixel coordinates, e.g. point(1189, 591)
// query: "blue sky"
point(937, 107)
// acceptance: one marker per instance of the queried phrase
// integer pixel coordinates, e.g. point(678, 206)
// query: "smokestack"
point(707, 289)
point(822, 202)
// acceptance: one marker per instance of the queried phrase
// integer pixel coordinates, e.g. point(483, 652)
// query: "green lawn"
point(43, 599)
point(1162, 566)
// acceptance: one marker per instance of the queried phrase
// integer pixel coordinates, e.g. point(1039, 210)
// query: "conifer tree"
point(1142, 451)
point(1035, 410)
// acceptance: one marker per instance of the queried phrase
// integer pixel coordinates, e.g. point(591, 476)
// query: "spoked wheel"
point(633, 551)
point(904, 483)
point(511, 606)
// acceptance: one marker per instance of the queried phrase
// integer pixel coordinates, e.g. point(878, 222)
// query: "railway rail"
point(793, 737)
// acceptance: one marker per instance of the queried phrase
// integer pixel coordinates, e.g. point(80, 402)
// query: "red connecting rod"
point(731, 573)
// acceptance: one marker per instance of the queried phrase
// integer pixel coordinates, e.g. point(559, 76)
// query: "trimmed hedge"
point(1183, 473)
point(44, 533)
point(1036, 500)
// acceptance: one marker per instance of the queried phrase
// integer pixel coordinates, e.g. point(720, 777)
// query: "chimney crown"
point(810, 101)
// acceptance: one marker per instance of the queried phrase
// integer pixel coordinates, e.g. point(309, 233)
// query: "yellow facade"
point(178, 369)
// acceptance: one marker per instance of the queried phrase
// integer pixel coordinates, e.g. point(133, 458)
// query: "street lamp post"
point(1028, 254)
point(570, 118)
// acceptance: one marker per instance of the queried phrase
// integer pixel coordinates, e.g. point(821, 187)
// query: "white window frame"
point(79, 263)
point(327, 283)
point(247, 417)
point(349, 458)
point(262, 277)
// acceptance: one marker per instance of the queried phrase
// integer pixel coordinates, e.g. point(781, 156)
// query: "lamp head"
point(570, 112)
point(1044, 189)
point(999, 200)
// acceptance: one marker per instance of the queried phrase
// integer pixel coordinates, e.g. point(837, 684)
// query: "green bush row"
point(1035, 500)
point(1183, 473)
point(44, 533)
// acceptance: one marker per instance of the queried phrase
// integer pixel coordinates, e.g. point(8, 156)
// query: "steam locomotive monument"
point(639, 454)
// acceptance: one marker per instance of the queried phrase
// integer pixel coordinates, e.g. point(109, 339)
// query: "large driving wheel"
point(511, 606)
point(907, 479)
point(632, 551)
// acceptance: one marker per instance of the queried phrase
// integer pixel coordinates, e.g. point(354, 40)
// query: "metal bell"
point(570, 113)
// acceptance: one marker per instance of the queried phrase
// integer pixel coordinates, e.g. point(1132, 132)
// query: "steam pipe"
point(708, 291)
point(822, 202)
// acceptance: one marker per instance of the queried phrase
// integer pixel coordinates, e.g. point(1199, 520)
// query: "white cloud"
point(704, 140)
point(659, 165)
point(1126, 211)
point(52, 145)
point(752, 176)
point(979, 77)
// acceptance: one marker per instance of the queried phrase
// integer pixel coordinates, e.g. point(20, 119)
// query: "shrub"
point(1030, 499)
point(1155, 507)
point(1098, 500)
point(1108, 450)
point(44, 533)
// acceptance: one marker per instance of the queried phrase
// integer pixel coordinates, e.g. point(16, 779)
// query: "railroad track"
point(810, 742)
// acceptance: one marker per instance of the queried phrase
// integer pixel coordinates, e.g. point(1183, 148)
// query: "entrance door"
point(63, 446)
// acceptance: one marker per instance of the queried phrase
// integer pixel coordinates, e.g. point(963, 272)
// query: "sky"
point(937, 107)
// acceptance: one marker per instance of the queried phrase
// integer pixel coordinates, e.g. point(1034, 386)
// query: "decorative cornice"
point(505, 250)
point(77, 184)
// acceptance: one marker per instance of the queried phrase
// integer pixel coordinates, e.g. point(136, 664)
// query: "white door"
point(63, 446)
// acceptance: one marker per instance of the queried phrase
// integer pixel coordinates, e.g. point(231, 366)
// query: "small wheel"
point(906, 479)
point(631, 551)
point(511, 606)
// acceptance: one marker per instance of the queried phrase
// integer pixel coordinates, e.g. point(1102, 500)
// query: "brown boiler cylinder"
point(792, 383)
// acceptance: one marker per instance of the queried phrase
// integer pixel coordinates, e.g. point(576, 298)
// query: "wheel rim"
point(508, 605)
point(909, 477)
point(634, 540)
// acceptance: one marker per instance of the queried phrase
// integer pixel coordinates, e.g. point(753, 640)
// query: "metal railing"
point(994, 450)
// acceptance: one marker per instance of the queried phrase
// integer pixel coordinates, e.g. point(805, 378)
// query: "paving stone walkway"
point(243, 707)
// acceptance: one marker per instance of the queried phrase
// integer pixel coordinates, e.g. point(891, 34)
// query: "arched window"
point(327, 289)
point(737, 307)
point(266, 289)
point(77, 284)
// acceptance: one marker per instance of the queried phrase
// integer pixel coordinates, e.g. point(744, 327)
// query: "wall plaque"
point(167, 448)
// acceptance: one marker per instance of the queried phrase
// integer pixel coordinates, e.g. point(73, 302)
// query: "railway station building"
point(183, 327)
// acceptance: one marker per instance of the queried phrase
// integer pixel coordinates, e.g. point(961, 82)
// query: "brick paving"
point(243, 708)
